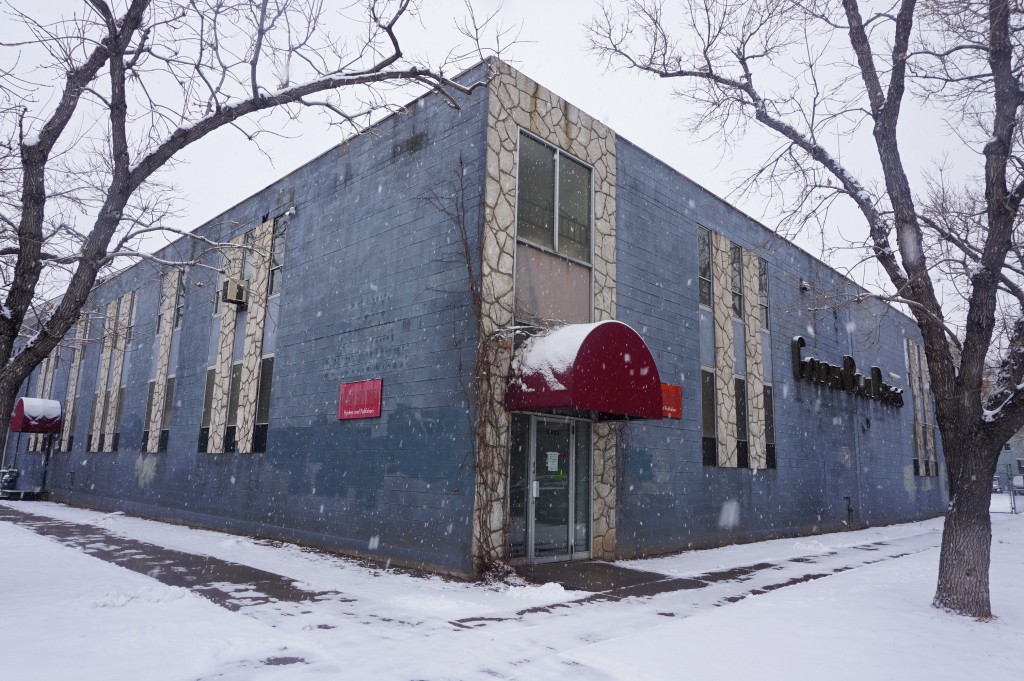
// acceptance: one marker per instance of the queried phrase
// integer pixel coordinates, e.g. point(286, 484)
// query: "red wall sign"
point(359, 400)
point(671, 401)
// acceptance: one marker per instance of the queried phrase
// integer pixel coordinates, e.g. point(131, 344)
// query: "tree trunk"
point(963, 585)
point(8, 395)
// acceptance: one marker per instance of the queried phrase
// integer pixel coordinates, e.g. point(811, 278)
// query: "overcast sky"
point(224, 168)
point(551, 51)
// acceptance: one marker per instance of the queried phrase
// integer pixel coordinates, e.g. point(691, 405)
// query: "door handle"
point(535, 489)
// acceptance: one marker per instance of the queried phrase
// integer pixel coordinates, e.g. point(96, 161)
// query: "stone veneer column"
point(168, 300)
point(252, 350)
point(725, 361)
point(515, 102)
point(928, 425)
point(124, 319)
point(225, 353)
point(101, 383)
point(71, 401)
point(920, 389)
point(755, 360)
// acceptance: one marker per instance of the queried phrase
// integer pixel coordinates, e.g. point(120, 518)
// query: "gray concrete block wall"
point(374, 285)
point(827, 448)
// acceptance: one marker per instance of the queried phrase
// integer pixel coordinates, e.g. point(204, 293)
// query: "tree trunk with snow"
point(963, 583)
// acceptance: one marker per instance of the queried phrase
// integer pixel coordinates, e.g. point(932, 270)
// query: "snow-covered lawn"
point(69, 615)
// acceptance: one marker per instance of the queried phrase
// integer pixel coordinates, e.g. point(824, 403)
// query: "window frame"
point(558, 152)
point(709, 443)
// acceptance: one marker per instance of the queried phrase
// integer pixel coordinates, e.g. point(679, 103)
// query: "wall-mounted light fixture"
point(805, 285)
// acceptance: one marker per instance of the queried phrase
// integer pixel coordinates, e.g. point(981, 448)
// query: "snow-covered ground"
point(65, 614)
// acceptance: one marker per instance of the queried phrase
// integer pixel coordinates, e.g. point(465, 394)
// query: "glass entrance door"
point(549, 489)
point(551, 462)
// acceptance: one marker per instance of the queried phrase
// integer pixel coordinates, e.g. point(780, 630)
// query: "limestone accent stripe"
point(914, 379)
point(33, 438)
point(124, 319)
point(515, 102)
point(725, 362)
point(98, 411)
point(70, 400)
point(926, 399)
point(168, 299)
point(225, 351)
point(755, 360)
point(252, 352)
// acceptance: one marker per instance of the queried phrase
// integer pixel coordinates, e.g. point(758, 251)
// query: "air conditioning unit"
point(235, 291)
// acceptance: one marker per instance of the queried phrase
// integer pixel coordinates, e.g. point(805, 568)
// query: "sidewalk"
point(107, 596)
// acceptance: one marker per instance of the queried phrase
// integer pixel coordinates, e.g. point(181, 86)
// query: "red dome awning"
point(604, 367)
point(33, 415)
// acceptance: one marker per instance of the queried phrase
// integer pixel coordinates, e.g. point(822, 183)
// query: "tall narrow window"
point(165, 421)
point(204, 427)
point(769, 427)
point(762, 279)
point(231, 432)
point(704, 266)
point(709, 441)
point(573, 209)
point(259, 443)
point(708, 391)
point(771, 460)
point(179, 302)
point(277, 256)
point(149, 414)
point(737, 281)
point(553, 226)
point(742, 444)
point(536, 216)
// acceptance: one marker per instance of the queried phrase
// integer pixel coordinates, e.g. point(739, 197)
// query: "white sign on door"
point(552, 462)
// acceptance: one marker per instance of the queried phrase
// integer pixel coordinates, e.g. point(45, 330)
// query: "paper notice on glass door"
point(552, 462)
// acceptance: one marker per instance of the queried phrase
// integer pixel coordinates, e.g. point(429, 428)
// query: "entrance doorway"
point(549, 489)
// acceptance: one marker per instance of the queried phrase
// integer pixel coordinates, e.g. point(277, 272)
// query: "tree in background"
point(94, 104)
point(818, 75)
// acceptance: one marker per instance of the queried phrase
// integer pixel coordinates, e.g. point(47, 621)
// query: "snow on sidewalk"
point(79, 617)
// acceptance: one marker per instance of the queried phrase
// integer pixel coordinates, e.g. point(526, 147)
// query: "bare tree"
point(94, 104)
point(818, 75)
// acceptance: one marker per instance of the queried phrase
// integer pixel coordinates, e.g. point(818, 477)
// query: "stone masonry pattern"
point(518, 103)
point(725, 361)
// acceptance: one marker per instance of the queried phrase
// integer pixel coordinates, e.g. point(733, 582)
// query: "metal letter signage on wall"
point(359, 400)
point(843, 377)
point(671, 401)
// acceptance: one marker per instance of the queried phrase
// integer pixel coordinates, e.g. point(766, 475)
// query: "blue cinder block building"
point(498, 332)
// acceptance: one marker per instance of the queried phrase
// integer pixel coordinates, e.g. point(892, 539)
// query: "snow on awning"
point(604, 367)
point(33, 415)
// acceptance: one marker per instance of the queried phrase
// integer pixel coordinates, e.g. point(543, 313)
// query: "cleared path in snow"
point(238, 587)
point(276, 611)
